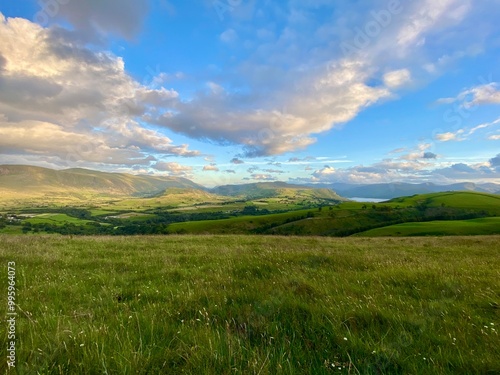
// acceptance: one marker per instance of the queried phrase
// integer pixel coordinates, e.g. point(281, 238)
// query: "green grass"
point(463, 199)
point(255, 305)
point(58, 219)
point(484, 226)
point(235, 225)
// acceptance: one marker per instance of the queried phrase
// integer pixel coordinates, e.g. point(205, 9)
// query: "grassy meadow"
point(483, 226)
point(254, 305)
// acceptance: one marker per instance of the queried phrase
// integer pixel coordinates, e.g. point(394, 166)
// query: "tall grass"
point(255, 305)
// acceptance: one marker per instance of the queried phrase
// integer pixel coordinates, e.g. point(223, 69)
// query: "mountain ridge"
point(397, 189)
point(23, 181)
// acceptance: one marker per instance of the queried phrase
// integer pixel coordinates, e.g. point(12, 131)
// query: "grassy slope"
point(254, 305)
point(20, 184)
point(347, 215)
point(483, 226)
point(466, 200)
point(275, 189)
point(58, 219)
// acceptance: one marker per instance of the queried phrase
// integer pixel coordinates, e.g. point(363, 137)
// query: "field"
point(484, 226)
point(255, 305)
point(289, 212)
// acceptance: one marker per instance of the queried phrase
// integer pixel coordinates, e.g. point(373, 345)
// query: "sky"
point(237, 91)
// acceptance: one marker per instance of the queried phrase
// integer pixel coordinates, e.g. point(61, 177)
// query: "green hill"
point(20, 182)
point(276, 190)
point(483, 226)
point(462, 199)
point(353, 217)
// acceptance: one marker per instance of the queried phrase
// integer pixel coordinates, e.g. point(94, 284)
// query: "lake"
point(369, 200)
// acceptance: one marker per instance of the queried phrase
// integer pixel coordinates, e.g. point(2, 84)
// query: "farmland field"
point(255, 305)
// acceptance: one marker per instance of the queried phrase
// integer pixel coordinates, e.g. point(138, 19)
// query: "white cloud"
point(448, 136)
point(428, 16)
point(210, 167)
point(327, 100)
point(326, 171)
point(397, 78)
point(174, 169)
point(391, 170)
point(229, 36)
point(463, 134)
point(62, 99)
point(294, 83)
point(487, 93)
point(262, 177)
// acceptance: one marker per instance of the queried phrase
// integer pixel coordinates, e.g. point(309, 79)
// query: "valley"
point(82, 202)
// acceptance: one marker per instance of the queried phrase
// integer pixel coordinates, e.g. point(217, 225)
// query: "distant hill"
point(21, 181)
point(37, 185)
point(397, 189)
point(275, 189)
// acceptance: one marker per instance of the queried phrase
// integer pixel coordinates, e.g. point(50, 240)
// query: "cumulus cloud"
point(431, 15)
point(463, 134)
point(210, 168)
point(397, 78)
point(415, 171)
point(464, 172)
point(285, 93)
point(263, 177)
point(486, 93)
point(429, 155)
point(495, 162)
point(63, 100)
point(281, 109)
point(343, 91)
point(449, 136)
point(323, 173)
point(273, 171)
point(237, 161)
point(174, 169)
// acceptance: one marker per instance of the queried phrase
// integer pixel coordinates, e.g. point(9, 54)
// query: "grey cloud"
point(237, 161)
point(461, 171)
point(429, 155)
point(63, 99)
point(3, 62)
point(94, 19)
point(495, 162)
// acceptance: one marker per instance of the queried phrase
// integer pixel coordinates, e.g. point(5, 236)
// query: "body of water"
point(369, 200)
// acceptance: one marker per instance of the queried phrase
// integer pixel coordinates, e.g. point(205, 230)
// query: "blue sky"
point(232, 91)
